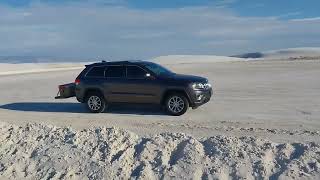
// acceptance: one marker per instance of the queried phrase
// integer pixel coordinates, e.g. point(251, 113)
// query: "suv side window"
point(115, 72)
point(135, 72)
point(97, 72)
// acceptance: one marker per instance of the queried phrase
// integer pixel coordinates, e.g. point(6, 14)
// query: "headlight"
point(201, 86)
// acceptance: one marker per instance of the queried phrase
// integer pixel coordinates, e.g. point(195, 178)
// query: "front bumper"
point(200, 97)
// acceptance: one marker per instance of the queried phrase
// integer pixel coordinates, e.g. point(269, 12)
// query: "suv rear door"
point(115, 86)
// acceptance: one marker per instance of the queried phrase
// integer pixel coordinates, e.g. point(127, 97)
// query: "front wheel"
point(95, 102)
point(176, 104)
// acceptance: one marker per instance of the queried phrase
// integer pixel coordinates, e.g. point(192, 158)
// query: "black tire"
point(95, 102)
point(176, 104)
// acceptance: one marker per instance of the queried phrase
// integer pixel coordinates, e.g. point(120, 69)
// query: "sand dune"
point(190, 59)
point(10, 69)
point(282, 54)
point(23, 68)
point(48, 152)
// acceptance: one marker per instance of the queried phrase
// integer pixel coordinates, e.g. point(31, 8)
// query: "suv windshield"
point(158, 69)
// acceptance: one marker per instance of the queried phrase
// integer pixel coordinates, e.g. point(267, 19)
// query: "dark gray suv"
point(137, 82)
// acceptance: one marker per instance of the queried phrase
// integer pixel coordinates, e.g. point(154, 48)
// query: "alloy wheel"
point(176, 104)
point(94, 103)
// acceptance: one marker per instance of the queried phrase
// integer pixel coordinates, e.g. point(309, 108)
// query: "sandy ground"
point(275, 100)
point(268, 102)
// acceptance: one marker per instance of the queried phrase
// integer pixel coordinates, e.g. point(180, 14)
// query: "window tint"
point(96, 72)
point(157, 69)
point(135, 72)
point(115, 72)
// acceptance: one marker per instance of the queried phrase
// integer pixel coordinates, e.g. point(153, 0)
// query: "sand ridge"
point(36, 151)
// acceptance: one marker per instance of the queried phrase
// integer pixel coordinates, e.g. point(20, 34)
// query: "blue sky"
point(287, 8)
point(282, 8)
point(139, 29)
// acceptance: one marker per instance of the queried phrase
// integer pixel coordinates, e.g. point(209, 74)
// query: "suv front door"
point(142, 86)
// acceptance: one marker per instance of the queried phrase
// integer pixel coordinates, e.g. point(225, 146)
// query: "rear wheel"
point(95, 102)
point(176, 104)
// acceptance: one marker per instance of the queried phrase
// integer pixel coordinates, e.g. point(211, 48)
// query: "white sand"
point(263, 122)
point(48, 152)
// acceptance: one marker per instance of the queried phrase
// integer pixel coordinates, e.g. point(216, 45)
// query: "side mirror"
point(149, 76)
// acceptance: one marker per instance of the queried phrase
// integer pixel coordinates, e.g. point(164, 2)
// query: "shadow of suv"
point(136, 82)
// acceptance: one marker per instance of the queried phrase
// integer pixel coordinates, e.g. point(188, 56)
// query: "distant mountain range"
point(292, 53)
point(250, 55)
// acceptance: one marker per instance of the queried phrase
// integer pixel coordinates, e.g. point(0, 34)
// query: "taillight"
point(77, 81)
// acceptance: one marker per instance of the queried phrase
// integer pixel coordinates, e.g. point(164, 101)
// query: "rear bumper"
point(80, 100)
point(79, 94)
point(200, 97)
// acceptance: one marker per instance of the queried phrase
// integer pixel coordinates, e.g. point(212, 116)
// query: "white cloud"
point(289, 15)
point(223, 3)
point(306, 19)
point(119, 32)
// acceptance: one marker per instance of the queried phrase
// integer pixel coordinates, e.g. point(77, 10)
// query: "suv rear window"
point(96, 72)
point(115, 72)
point(135, 72)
